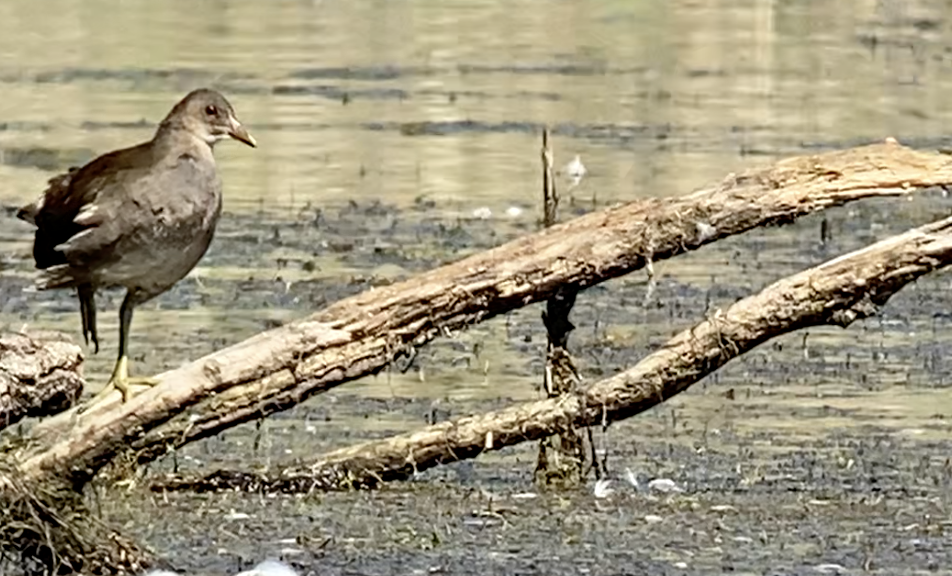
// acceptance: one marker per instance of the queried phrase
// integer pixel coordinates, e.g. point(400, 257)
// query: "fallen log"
point(40, 375)
point(361, 335)
point(838, 293)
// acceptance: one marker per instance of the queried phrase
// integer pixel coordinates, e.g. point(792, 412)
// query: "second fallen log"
point(838, 292)
point(360, 335)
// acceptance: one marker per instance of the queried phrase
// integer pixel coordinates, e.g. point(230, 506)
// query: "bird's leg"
point(120, 379)
point(87, 310)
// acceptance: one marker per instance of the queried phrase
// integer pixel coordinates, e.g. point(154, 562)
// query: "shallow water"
point(382, 127)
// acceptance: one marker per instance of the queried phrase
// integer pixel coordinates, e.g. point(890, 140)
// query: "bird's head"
point(209, 116)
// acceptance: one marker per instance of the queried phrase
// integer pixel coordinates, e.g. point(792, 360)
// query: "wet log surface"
point(358, 336)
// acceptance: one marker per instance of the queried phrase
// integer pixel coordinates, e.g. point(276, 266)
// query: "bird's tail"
point(28, 213)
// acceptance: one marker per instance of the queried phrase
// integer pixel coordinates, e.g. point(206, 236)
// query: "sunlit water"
point(434, 110)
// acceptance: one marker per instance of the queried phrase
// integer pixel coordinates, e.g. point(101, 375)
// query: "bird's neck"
point(174, 137)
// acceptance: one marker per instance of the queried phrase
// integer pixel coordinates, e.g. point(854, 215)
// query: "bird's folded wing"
point(75, 217)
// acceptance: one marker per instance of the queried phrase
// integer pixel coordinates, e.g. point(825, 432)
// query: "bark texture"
point(273, 371)
point(838, 293)
point(40, 375)
point(360, 335)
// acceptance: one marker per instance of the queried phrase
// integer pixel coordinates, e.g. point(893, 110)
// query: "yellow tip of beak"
point(239, 133)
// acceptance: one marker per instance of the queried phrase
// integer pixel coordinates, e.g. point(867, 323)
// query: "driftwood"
point(40, 375)
point(837, 293)
point(360, 335)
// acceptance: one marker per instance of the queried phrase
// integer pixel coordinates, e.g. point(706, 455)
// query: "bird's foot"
point(121, 381)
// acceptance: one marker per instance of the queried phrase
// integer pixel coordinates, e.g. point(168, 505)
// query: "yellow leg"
point(121, 381)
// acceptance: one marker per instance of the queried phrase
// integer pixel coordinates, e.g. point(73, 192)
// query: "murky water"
point(383, 126)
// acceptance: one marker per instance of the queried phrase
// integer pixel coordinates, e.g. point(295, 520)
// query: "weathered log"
point(360, 335)
point(40, 375)
point(838, 292)
point(45, 527)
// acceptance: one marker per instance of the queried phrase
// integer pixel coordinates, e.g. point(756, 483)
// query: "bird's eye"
point(211, 110)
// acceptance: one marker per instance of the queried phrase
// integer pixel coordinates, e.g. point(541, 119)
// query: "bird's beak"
point(241, 134)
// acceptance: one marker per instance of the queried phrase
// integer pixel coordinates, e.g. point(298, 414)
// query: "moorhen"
point(138, 218)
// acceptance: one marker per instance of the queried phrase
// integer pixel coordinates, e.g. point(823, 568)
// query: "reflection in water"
point(377, 122)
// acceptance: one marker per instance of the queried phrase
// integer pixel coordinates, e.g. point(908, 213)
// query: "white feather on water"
point(266, 568)
point(603, 488)
point(575, 170)
point(270, 568)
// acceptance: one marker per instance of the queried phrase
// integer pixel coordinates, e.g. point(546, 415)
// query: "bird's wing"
point(143, 203)
point(81, 204)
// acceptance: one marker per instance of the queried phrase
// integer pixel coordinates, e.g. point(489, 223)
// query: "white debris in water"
point(270, 568)
point(514, 211)
point(575, 170)
point(291, 552)
point(830, 569)
point(524, 496)
point(193, 460)
point(483, 213)
point(236, 515)
point(632, 479)
point(664, 485)
point(653, 519)
point(680, 565)
point(743, 539)
point(603, 488)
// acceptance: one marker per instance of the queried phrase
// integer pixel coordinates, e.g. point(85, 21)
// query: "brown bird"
point(139, 218)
